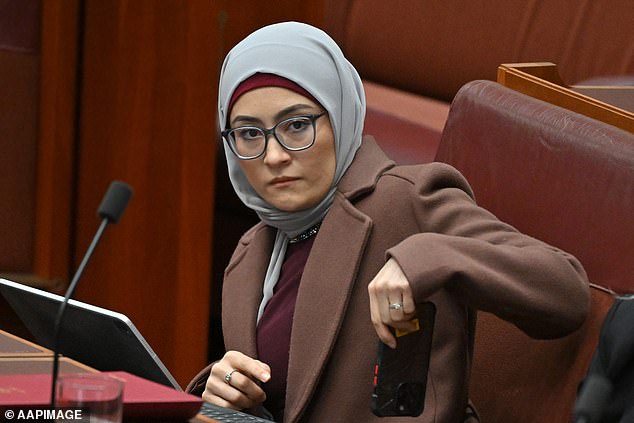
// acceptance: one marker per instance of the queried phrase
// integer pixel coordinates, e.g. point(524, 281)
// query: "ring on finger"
point(396, 306)
point(228, 376)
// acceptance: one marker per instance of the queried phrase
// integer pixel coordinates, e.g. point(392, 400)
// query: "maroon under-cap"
point(259, 80)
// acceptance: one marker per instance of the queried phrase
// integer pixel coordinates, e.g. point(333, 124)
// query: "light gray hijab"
point(310, 58)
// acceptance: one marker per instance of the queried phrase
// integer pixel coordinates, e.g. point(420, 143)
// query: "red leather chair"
point(556, 175)
point(560, 177)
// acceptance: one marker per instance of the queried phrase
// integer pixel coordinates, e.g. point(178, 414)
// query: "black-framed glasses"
point(294, 134)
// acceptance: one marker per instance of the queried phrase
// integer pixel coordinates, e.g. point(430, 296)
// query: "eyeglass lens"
point(295, 133)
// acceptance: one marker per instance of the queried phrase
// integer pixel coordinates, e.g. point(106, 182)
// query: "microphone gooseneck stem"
point(62, 308)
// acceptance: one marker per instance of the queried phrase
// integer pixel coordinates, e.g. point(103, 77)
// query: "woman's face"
point(287, 180)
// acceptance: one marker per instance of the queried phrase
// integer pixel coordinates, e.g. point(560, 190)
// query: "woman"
point(349, 243)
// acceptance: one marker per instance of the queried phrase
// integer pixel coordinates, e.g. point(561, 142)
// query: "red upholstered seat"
point(560, 177)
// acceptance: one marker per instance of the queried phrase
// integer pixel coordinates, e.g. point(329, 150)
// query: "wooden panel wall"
point(19, 74)
point(19, 95)
point(57, 138)
point(18, 145)
point(147, 117)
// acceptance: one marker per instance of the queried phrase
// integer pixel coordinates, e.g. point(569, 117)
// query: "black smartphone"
point(400, 375)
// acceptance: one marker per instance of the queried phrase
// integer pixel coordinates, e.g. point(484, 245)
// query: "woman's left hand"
point(391, 302)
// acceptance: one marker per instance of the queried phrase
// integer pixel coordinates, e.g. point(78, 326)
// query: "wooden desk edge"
point(522, 77)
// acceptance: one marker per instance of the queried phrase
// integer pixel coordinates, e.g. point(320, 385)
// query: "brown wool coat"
point(454, 253)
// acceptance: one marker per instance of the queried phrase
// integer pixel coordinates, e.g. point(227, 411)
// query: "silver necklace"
point(306, 234)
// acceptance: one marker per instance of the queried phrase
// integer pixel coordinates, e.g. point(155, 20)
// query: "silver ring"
point(396, 306)
point(228, 376)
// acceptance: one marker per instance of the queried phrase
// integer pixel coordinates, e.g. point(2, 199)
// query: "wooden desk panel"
point(37, 365)
point(542, 81)
point(13, 346)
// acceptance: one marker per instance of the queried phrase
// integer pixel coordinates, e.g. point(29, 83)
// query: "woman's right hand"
point(243, 390)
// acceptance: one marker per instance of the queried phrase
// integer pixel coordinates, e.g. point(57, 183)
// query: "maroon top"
point(274, 328)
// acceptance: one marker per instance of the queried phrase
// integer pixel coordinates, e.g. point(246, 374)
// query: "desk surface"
point(621, 97)
point(19, 356)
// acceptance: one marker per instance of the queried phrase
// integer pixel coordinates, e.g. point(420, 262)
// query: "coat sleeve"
point(197, 385)
point(485, 263)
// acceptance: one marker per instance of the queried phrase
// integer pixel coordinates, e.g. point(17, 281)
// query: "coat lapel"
point(322, 300)
point(244, 281)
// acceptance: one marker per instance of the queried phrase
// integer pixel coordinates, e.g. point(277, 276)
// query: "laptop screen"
point(100, 338)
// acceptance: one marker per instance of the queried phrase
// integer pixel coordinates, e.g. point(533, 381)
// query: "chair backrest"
point(560, 177)
point(554, 174)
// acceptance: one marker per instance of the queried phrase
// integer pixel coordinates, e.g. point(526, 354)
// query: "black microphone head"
point(593, 397)
point(115, 201)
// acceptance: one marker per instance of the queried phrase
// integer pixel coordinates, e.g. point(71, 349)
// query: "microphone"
point(110, 210)
point(593, 397)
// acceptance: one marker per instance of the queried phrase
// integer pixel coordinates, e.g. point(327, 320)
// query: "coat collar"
point(326, 283)
point(369, 164)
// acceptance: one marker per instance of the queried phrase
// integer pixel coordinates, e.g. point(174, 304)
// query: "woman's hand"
point(391, 302)
point(241, 390)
